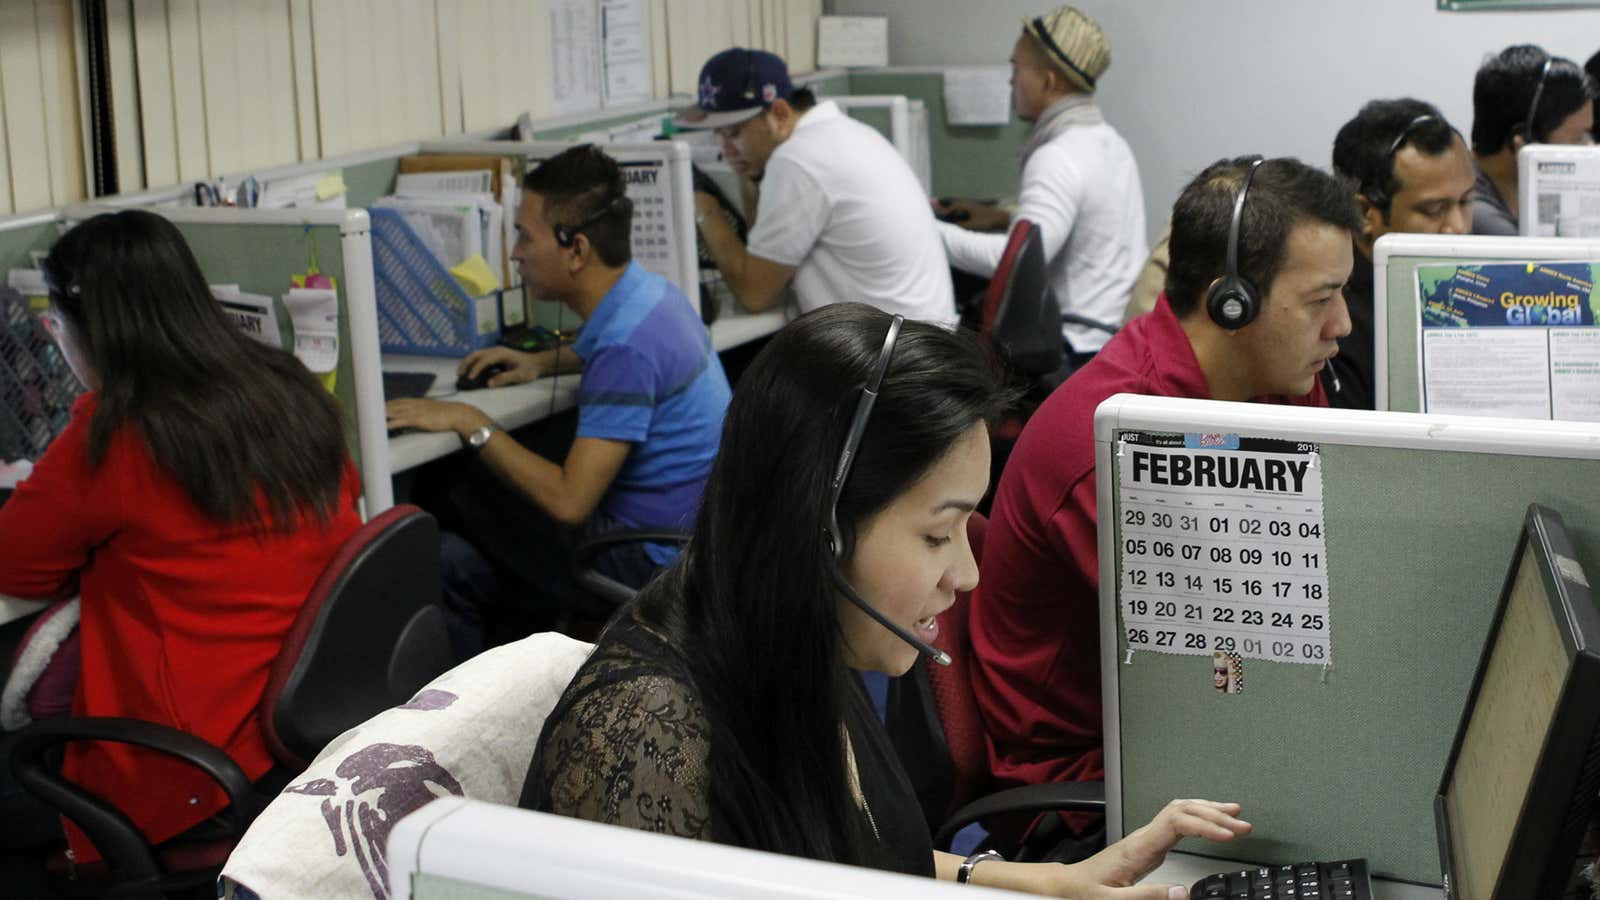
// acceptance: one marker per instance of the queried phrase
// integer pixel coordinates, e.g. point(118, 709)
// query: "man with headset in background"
point(1412, 175)
point(1522, 96)
point(651, 398)
point(1080, 183)
point(832, 204)
point(1258, 321)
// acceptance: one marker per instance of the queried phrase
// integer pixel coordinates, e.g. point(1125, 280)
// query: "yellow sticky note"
point(475, 276)
point(330, 186)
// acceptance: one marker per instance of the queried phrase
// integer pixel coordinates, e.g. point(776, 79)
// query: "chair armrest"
point(113, 833)
point(589, 549)
point(1063, 796)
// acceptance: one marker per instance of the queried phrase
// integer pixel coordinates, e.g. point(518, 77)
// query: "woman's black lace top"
point(628, 745)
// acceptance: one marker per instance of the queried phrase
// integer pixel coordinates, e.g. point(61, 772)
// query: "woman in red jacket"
point(200, 488)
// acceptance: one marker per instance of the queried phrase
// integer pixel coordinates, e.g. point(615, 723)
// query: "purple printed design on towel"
point(431, 699)
point(404, 778)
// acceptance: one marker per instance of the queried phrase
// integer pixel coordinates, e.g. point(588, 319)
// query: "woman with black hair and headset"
point(722, 703)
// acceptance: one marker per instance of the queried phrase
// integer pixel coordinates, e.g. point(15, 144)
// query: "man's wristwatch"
point(481, 435)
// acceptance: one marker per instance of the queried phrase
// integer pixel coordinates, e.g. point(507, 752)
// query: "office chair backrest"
point(1021, 314)
point(369, 636)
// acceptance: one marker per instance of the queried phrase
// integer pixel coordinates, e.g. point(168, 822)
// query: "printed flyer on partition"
point(1512, 339)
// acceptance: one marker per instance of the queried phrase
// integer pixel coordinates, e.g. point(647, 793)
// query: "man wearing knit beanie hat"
point(1080, 183)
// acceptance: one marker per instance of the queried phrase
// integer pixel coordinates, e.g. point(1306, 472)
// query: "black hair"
point(584, 191)
point(750, 597)
point(212, 405)
point(802, 99)
point(1592, 67)
point(1503, 92)
point(1284, 193)
point(1366, 146)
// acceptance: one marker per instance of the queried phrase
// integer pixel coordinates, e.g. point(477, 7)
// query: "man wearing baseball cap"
point(835, 208)
point(1080, 184)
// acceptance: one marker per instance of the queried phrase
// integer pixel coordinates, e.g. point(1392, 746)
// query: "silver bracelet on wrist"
point(964, 874)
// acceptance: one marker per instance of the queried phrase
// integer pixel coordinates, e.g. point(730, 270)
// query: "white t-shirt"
point(1081, 189)
point(840, 205)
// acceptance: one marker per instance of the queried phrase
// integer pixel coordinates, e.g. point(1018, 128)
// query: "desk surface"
point(1186, 869)
point(521, 404)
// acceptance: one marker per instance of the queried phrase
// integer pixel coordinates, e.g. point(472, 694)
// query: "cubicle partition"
point(36, 388)
point(1348, 598)
point(1398, 302)
point(1559, 191)
point(966, 160)
point(259, 250)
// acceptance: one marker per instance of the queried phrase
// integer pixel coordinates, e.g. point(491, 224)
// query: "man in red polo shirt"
point(1035, 614)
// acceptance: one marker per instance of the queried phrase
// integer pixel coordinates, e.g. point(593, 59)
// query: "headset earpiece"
point(1232, 301)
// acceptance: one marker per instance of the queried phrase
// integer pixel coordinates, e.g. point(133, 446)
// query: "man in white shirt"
point(835, 208)
point(1080, 183)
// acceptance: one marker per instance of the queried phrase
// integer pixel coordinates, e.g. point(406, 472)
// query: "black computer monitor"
point(1519, 789)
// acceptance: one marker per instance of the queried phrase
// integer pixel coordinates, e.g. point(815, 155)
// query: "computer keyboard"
point(406, 384)
point(1343, 880)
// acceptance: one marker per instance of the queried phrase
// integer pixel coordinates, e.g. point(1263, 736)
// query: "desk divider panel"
point(259, 250)
point(1396, 312)
point(1422, 515)
point(967, 160)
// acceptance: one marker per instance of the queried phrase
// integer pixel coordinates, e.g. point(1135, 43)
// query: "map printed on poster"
point(1222, 547)
point(655, 244)
point(1515, 339)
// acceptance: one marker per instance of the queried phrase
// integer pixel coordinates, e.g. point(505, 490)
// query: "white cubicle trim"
point(539, 854)
point(361, 300)
point(1465, 248)
point(672, 155)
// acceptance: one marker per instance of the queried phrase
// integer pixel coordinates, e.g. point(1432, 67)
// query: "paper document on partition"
point(254, 314)
point(480, 181)
point(1222, 547)
point(656, 242)
point(513, 310)
point(977, 95)
point(1568, 192)
point(1516, 339)
point(315, 314)
point(574, 54)
point(319, 190)
point(852, 41)
point(452, 229)
point(625, 43)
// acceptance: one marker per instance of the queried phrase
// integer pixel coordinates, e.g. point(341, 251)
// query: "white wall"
point(1195, 80)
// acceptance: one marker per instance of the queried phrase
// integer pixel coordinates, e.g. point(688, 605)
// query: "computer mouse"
point(468, 383)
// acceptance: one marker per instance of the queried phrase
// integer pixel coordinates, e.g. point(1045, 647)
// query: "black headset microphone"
point(836, 541)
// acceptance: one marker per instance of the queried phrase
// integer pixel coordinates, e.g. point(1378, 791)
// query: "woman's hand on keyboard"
point(1113, 872)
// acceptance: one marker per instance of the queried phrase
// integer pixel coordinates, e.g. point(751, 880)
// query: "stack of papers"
point(454, 226)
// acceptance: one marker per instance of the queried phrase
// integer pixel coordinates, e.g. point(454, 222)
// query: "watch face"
point(481, 436)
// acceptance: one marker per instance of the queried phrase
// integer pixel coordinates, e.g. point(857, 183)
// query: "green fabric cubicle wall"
point(1418, 546)
point(968, 161)
point(260, 259)
point(17, 243)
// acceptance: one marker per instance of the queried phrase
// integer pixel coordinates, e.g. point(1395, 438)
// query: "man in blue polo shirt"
point(650, 403)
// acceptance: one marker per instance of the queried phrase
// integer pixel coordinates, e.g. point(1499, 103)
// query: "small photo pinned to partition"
point(1227, 672)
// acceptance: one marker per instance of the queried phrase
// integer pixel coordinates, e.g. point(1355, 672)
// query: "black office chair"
point(1021, 316)
point(370, 634)
point(608, 593)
